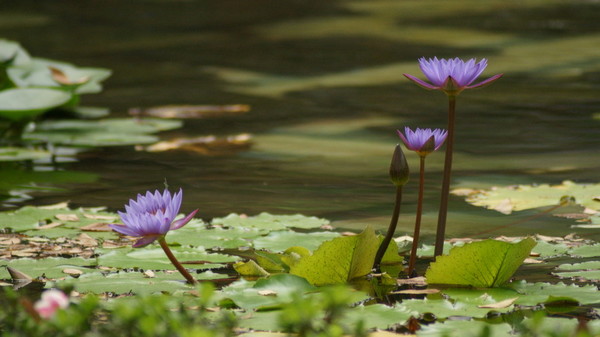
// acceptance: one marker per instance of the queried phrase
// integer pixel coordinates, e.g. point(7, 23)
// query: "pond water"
point(324, 82)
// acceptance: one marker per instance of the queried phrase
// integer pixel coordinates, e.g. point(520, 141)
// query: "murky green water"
point(324, 80)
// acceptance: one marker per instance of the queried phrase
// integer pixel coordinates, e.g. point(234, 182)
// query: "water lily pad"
point(488, 263)
point(27, 103)
point(279, 241)
point(541, 292)
point(586, 251)
point(134, 282)
point(521, 197)
point(379, 316)
point(154, 258)
point(468, 328)
point(589, 270)
point(19, 154)
point(266, 221)
point(106, 132)
point(444, 308)
point(51, 268)
point(196, 234)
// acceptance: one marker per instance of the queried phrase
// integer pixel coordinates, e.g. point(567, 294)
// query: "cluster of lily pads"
point(40, 109)
point(292, 273)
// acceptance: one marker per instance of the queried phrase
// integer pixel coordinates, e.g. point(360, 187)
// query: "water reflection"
point(325, 86)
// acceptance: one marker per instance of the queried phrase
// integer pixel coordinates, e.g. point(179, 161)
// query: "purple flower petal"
point(182, 222)
point(417, 140)
point(151, 216)
point(451, 75)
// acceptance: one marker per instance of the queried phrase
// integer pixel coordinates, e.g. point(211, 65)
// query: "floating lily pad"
point(541, 292)
point(586, 251)
point(521, 197)
point(589, 270)
point(279, 241)
point(444, 308)
point(106, 132)
point(196, 234)
point(379, 316)
point(276, 289)
point(468, 328)
point(488, 263)
point(154, 258)
point(37, 73)
point(51, 268)
point(27, 103)
point(134, 282)
point(19, 154)
point(270, 222)
point(547, 249)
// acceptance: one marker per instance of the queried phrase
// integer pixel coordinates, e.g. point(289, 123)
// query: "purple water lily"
point(451, 75)
point(419, 140)
point(151, 216)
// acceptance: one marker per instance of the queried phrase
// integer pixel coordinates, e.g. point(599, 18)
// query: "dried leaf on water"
point(191, 111)
point(206, 145)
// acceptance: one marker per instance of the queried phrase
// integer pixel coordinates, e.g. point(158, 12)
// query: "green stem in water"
point(443, 212)
point(390, 232)
point(415, 243)
point(173, 259)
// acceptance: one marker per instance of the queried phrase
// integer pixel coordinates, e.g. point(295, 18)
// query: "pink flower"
point(51, 301)
point(151, 216)
point(451, 75)
point(423, 141)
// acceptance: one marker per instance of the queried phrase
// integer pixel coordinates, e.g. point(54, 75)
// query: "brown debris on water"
point(191, 111)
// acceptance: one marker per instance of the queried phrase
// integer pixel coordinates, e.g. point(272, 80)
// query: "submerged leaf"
point(488, 263)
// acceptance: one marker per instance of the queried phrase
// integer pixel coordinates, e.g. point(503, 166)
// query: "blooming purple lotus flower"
point(451, 75)
point(419, 140)
point(151, 216)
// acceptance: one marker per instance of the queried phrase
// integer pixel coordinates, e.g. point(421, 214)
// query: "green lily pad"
point(196, 234)
point(27, 103)
point(106, 132)
point(30, 220)
point(153, 258)
point(521, 197)
point(270, 222)
point(340, 260)
point(589, 270)
point(37, 73)
point(273, 291)
point(379, 316)
point(547, 249)
point(19, 154)
point(541, 292)
point(586, 251)
point(279, 241)
point(469, 328)
point(51, 268)
point(13, 50)
point(444, 308)
point(134, 282)
point(488, 263)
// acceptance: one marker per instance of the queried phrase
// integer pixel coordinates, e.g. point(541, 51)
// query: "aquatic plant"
point(450, 76)
point(151, 217)
point(423, 142)
point(399, 173)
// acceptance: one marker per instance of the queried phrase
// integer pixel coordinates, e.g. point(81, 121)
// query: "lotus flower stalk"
point(423, 142)
point(450, 76)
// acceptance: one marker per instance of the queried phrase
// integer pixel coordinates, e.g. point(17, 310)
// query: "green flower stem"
point(173, 259)
point(441, 225)
point(415, 243)
point(391, 230)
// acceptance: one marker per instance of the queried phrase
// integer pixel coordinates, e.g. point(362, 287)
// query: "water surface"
point(324, 80)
